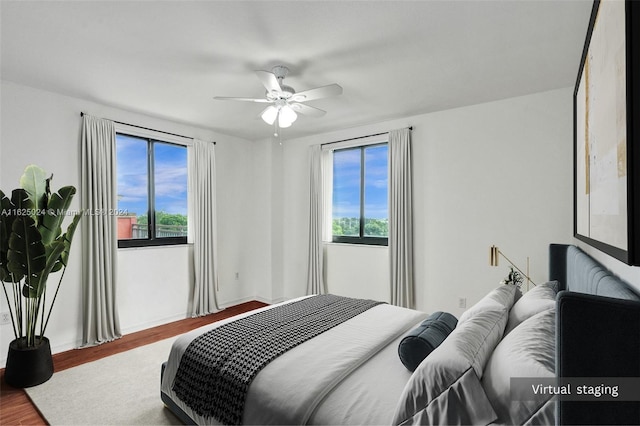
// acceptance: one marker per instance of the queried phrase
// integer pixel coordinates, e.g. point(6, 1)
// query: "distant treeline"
point(350, 226)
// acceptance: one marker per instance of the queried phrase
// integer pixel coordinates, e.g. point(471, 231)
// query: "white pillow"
point(528, 352)
point(502, 296)
point(538, 299)
point(444, 388)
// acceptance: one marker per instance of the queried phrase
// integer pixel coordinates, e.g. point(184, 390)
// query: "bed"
point(351, 373)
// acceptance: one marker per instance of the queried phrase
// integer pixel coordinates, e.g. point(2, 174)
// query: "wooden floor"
point(17, 409)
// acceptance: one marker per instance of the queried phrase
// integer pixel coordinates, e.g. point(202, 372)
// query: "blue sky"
point(346, 183)
point(170, 176)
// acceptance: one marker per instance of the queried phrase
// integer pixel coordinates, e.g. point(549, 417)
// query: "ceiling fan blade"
point(269, 81)
point(317, 93)
point(224, 98)
point(307, 110)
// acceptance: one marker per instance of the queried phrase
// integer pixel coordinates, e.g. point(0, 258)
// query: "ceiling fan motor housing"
point(280, 71)
point(286, 92)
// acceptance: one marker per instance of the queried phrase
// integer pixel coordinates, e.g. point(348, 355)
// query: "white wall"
point(43, 128)
point(357, 271)
point(152, 285)
point(496, 173)
point(260, 241)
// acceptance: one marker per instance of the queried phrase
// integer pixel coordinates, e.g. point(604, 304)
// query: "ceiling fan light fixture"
point(283, 124)
point(287, 116)
point(270, 114)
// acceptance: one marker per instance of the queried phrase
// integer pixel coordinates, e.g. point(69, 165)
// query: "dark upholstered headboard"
point(575, 270)
point(598, 333)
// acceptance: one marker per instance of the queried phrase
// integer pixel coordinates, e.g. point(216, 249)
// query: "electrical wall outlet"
point(5, 318)
point(462, 302)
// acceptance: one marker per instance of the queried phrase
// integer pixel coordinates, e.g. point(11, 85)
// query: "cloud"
point(340, 210)
point(132, 186)
point(171, 182)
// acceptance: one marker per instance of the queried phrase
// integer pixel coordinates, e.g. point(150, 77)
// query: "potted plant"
point(514, 278)
point(32, 246)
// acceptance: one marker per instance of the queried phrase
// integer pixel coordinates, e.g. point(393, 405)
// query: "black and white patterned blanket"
point(217, 368)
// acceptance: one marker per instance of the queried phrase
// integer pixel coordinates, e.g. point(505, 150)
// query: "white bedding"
point(350, 374)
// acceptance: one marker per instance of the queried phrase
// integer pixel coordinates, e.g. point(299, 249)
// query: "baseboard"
point(235, 302)
point(154, 323)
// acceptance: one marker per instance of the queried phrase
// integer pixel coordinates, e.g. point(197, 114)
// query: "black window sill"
point(152, 243)
point(369, 241)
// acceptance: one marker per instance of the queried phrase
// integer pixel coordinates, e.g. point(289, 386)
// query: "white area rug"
point(123, 389)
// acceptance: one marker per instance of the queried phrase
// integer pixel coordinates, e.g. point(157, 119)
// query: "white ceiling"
point(393, 58)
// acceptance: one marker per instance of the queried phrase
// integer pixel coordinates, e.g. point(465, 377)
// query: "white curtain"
point(202, 187)
point(99, 231)
point(315, 276)
point(401, 218)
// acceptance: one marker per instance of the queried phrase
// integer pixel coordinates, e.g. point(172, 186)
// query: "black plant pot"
point(28, 366)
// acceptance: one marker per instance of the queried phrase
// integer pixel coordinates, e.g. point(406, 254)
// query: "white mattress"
point(350, 374)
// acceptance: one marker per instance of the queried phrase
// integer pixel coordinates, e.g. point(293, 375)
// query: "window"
point(360, 212)
point(152, 192)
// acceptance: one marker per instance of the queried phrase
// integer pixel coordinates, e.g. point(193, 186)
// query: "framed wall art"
point(607, 132)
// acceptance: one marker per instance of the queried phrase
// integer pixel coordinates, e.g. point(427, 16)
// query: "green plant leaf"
point(21, 202)
point(6, 221)
point(51, 222)
point(34, 181)
point(68, 237)
point(20, 205)
point(26, 256)
point(58, 262)
point(37, 286)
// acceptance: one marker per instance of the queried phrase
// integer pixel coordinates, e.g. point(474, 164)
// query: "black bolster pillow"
point(422, 340)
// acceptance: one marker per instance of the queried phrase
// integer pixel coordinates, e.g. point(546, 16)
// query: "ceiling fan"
point(285, 102)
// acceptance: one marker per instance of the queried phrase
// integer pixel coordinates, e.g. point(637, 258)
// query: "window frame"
point(362, 239)
point(151, 240)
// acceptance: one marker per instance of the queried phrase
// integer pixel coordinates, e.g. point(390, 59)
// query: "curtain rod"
point(360, 137)
point(147, 128)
